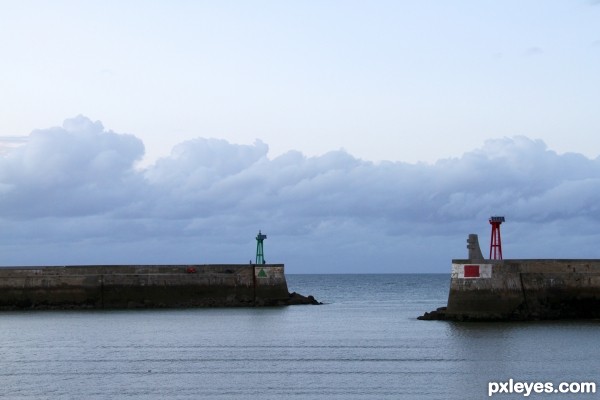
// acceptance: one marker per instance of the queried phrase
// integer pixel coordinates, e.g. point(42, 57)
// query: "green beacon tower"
point(260, 252)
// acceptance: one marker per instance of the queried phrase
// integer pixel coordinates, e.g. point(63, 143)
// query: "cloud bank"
point(74, 194)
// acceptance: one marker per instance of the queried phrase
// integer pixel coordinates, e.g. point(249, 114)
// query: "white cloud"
point(7, 143)
point(76, 188)
point(76, 169)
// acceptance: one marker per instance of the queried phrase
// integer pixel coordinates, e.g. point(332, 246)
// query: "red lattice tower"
point(496, 242)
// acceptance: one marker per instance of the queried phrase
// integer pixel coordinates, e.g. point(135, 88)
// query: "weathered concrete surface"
point(522, 290)
point(144, 286)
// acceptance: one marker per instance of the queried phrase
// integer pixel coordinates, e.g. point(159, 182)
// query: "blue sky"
point(361, 136)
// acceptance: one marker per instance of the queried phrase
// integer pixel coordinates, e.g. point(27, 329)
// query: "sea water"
point(363, 343)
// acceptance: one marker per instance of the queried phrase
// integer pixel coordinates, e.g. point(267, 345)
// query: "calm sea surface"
point(364, 343)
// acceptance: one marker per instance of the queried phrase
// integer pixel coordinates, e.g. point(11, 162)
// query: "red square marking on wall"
point(471, 271)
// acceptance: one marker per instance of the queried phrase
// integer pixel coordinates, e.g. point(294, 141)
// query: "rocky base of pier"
point(294, 299)
point(297, 299)
point(435, 315)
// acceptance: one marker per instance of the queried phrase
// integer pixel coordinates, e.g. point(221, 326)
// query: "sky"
point(361, 137)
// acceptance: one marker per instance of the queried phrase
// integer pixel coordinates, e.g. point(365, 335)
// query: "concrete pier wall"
point(142, 286)
point(523, 289)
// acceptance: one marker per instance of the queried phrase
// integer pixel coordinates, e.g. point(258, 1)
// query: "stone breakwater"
point(146, 286)
point(505, 290)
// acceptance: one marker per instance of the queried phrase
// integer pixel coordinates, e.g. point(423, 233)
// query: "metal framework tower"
point(496, 242)
point(260, 253)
